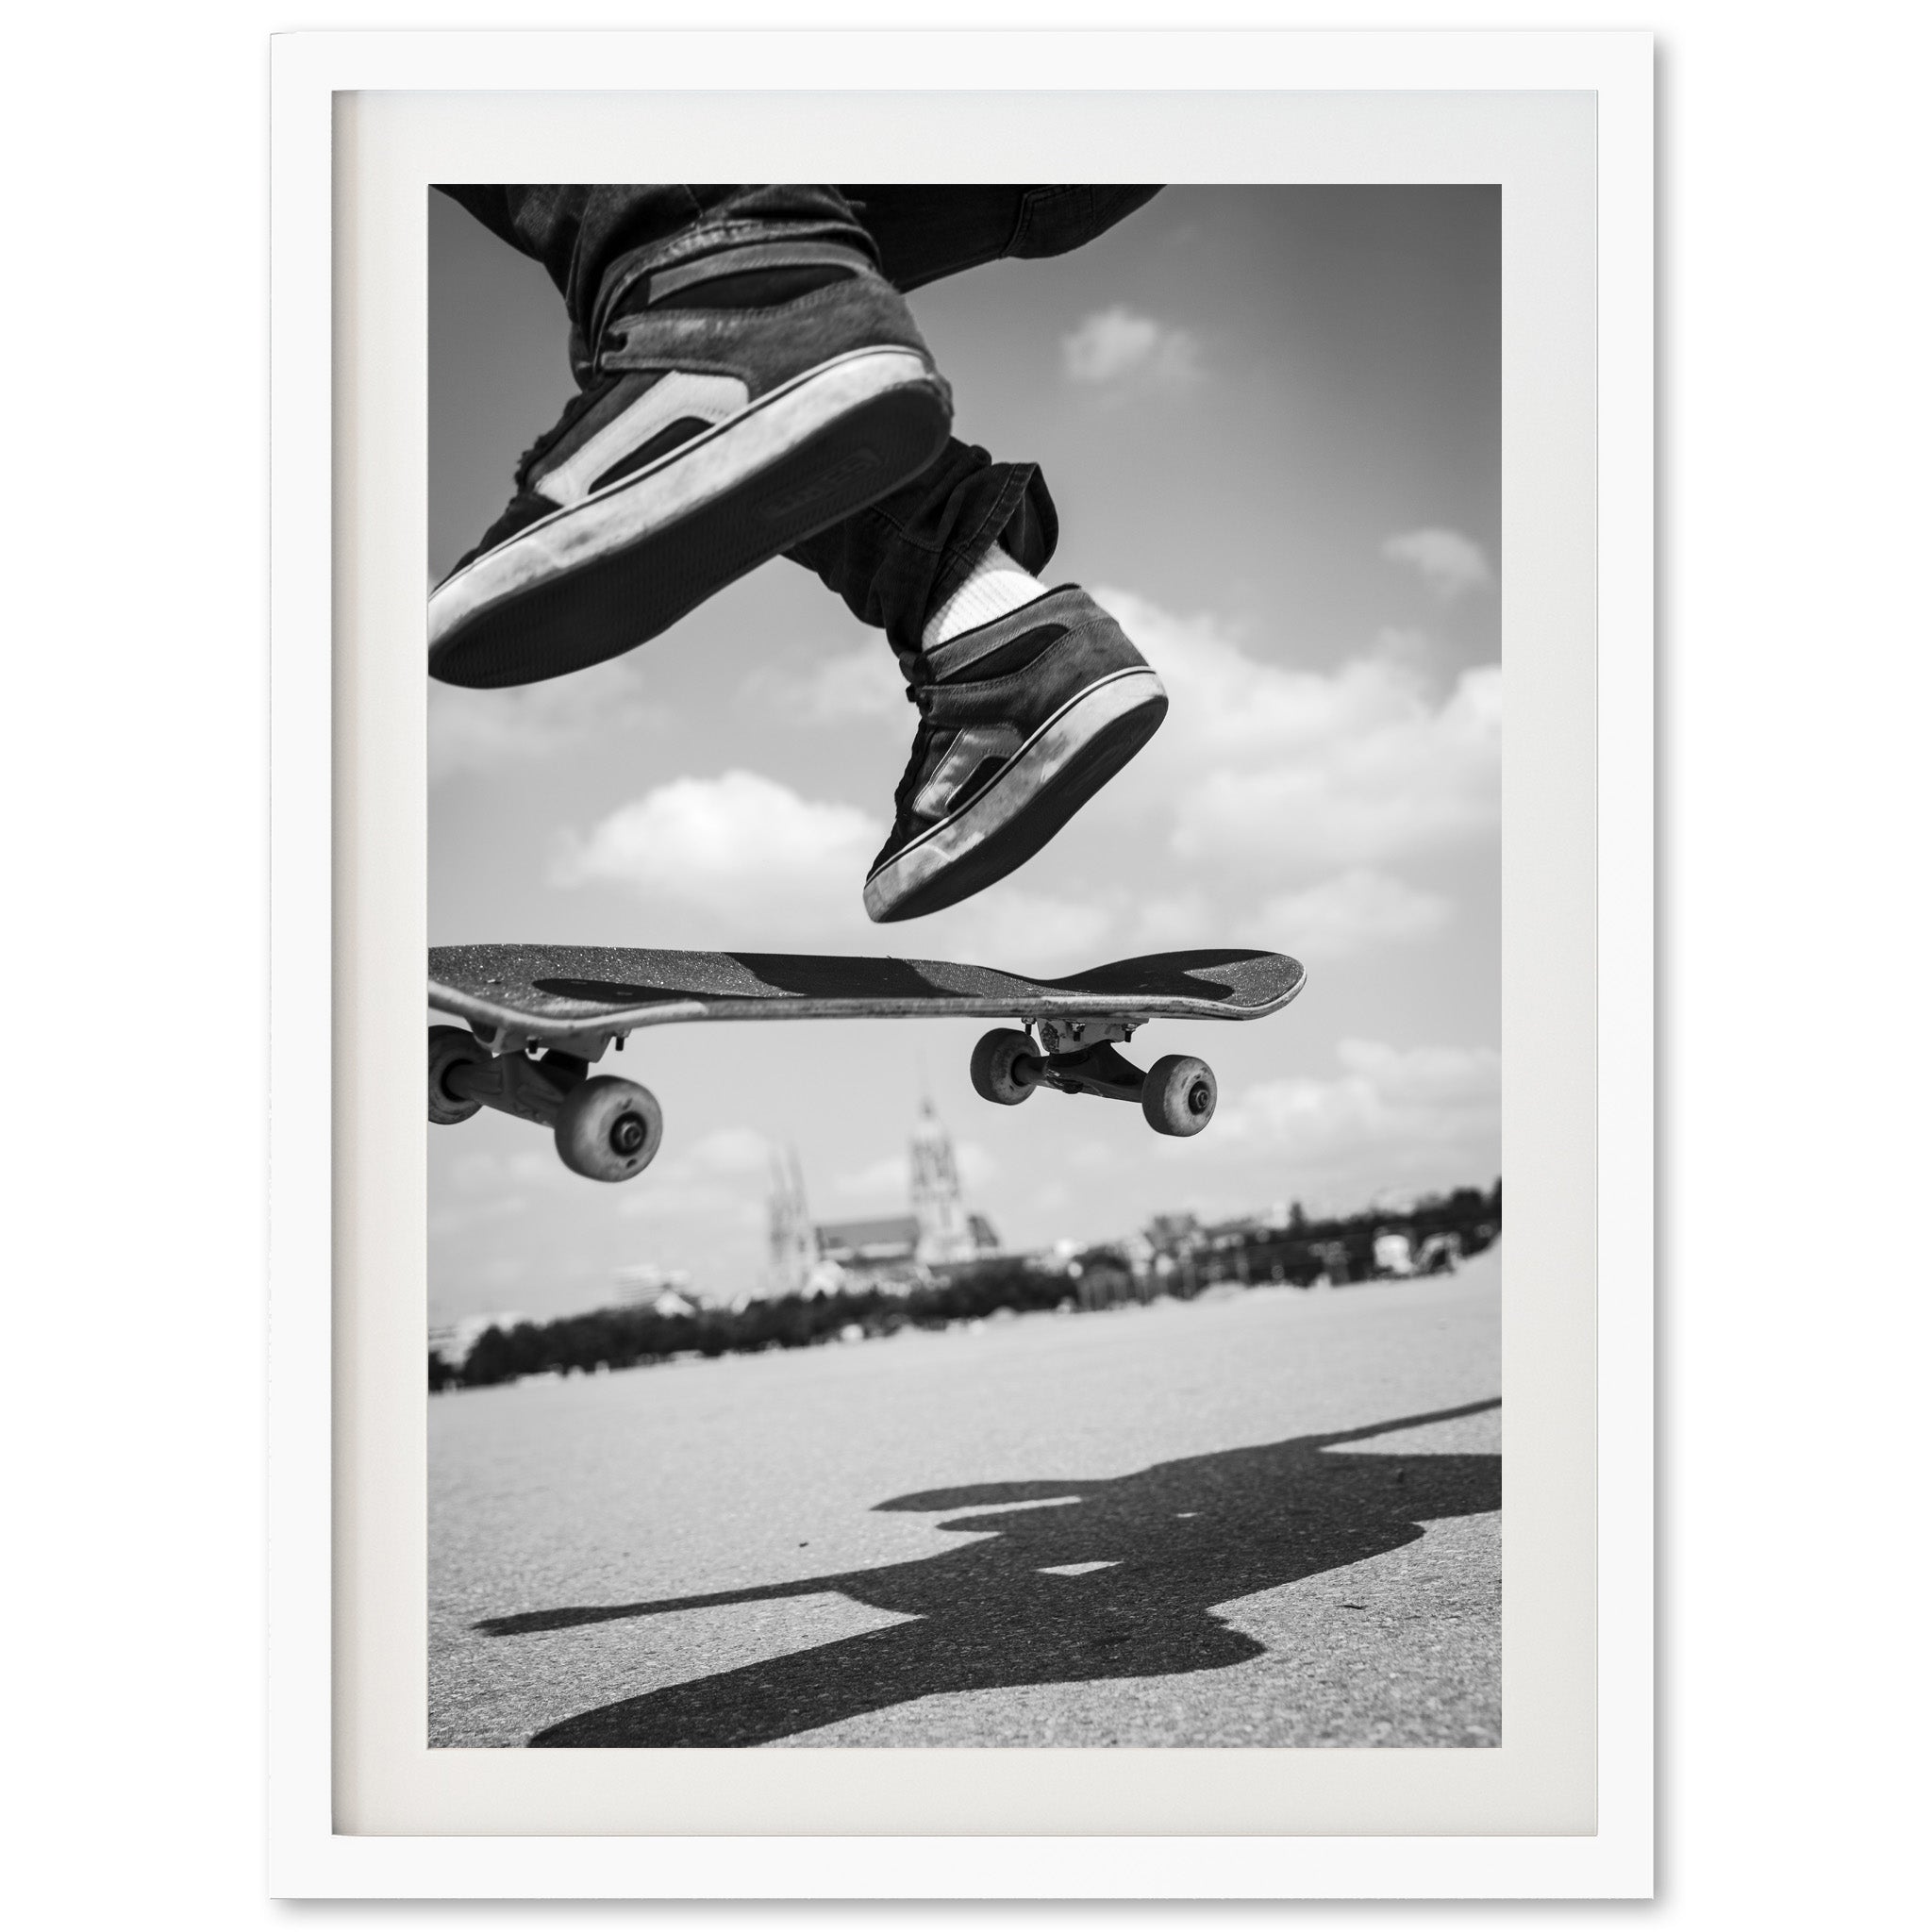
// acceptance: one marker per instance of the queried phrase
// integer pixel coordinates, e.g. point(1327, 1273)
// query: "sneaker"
point(1022, 721)
point(737, 405)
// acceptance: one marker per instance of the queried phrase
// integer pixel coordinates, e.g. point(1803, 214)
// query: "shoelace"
point(918, 694)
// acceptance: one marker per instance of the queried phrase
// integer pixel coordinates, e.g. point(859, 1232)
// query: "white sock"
point(996, 586)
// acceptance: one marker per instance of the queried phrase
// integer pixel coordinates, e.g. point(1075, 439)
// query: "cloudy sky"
point(1270, 421)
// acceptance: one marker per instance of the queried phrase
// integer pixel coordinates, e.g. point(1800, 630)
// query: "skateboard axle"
point(1176, 1096)
point(531, 1090)
point(1102, 1069)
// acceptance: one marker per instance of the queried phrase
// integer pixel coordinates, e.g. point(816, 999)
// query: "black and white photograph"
point(925, 762)
point(965, 1005)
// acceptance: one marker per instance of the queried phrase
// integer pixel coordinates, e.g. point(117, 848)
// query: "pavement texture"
point(1265, 1517)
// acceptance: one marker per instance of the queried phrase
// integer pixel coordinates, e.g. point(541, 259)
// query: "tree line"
point(1341, 1249)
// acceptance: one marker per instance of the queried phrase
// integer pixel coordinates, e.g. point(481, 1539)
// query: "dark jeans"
point(897, 561)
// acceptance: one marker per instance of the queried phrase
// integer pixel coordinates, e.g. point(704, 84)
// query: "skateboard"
point(540, 1016)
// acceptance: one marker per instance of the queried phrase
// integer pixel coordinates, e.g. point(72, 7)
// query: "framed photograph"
point(1050, 641)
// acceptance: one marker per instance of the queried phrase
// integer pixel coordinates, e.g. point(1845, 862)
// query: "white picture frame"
point(343, 737)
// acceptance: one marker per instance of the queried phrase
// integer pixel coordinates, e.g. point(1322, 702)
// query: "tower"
point(794, 1246)
point(944, 1233)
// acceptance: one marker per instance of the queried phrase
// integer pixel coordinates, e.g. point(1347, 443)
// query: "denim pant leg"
point(596, 241)
point(927, 233)
point(897, 561)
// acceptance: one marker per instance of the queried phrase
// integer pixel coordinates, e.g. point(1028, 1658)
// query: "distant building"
point(794, 1250)
point(945, 1229)
point(450, 1342)
point(1393, 1254)
point(880, 1243)
point(648, 1286)
point(1105, 1278)
point(891, 1250)
point(663, 1290)
point(1174, 1234)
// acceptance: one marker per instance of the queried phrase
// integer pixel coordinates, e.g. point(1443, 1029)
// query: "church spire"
point(793, 1243)
point(944, 1232)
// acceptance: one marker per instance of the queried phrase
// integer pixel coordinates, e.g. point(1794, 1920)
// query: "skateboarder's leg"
point(1029, 700)
point(900, 559)
point(812, 394)
point(1024, 715)
point(899, 564)
point(926, 232)
point(748, 377)
point(916, 234)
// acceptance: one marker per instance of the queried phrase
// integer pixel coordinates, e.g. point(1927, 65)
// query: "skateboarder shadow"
point(1176, 1539)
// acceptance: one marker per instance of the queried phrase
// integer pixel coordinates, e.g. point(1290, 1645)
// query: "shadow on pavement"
point(1176, 1539)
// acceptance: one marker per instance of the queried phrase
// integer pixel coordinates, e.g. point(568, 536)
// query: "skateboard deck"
point(570, 1003)
point(557, 993)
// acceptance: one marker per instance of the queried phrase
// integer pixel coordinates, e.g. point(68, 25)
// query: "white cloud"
point(861, 683)
point(1174, 921)
point(474, 1187)
point(749, 855)
point(889, 1180)
point(726, 1151)
point(1030, 933)
point(484, 1171)
point(976, 1166)
point(451, 1221)
point(722, 1177)
point(730, 845)
point(1347, 914)
point(1450, 563)
point(1296, 772)
point(502, 1270)
point(1114, 345)
point(484, 730)
point(1420, 1115)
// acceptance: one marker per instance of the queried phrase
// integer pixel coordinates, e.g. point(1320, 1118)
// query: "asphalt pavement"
point(1265, 1517)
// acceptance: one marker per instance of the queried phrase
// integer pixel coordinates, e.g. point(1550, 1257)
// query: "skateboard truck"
point(606, 1129)
point(586, 1046)
point(1069, 1036)
point(1177, 1094)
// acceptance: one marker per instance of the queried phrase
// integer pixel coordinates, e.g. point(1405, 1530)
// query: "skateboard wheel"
point(451, 1046)
point(1179, 1095)
point(1005, 1069)
point(608, 1130)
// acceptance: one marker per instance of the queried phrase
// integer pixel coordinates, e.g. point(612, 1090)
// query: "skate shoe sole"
point(601, 576)
point(1040, 786)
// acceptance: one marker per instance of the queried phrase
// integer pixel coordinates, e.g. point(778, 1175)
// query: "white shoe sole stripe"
point(1033, 768)
point(670, 400)
point(680, 481)
point(967, 751)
